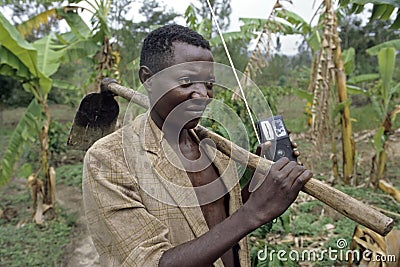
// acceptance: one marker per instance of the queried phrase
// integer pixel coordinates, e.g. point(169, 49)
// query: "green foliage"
point(300, 25)
point(202, 26)
point(349, 60)
point(33, 246)
point(382, 9)
point(365, 117)
point(26, 57)
point(27, 128)
point(23, 243)
point(130, 36)
point(379, 140)
point(48, 59)
point(354, 34)
point(373, 51)
point(70, 175)
point(58, 135)
point(12, 94)
point(381, 92)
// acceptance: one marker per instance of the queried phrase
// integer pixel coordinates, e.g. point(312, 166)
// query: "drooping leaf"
point(395, 3)
point(13, 41)
point(79, 49)
point(363, 78)
point(75, 22)
point(10, 65)
point(314, 41)
point(382, 9)
point(27, 128)
point(382, 12)
point(25, 52)
point(354, 90)
point(33, 23)
point(379, 139)
point(373, 51)
point(48, 58)
point(386, 59)
point(349, 60)
point(300, 25)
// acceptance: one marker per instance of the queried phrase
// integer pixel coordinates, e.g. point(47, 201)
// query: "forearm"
point(206, 249)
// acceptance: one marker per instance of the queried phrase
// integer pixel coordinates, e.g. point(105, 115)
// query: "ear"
point(144, 73)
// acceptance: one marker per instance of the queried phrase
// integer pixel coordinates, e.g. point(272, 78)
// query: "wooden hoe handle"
point(341, 202)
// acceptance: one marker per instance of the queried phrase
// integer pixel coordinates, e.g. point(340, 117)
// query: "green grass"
point(22, 242)
point(32, 245)
point(70, 175)
point(364, 118)
point(292, 110)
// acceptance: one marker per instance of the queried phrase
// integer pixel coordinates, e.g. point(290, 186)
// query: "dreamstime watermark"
point(340, 253)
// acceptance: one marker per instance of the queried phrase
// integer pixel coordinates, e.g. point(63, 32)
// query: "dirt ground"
point(81, 252)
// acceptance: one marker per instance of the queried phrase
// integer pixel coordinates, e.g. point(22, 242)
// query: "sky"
point(253, 9)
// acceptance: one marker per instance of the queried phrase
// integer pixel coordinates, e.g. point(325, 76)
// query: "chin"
point(192, 124)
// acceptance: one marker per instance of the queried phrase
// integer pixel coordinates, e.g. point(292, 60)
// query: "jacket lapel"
point(176, 187)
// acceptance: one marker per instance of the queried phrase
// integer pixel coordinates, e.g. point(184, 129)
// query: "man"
point(141, 183)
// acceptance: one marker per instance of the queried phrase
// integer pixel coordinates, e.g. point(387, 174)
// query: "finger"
point(296, 153)
point(281, 163)
point(302, 180)
point(261, 148)
point(294, 144)
point(296, 172)
point(287, 169)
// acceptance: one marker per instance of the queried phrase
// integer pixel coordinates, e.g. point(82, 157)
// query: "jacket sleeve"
point(123, 231)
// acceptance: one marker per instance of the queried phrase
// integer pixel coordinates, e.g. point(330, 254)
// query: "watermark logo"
point(339, 253)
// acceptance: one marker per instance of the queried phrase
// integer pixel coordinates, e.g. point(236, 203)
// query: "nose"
point(199, 91)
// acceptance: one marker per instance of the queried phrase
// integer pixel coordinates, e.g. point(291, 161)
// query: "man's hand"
point(277, 191)
point(265, 146)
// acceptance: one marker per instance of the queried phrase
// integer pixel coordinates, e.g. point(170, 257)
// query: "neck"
point(174, 134)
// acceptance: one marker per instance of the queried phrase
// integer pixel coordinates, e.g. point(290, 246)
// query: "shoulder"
point(113, 144)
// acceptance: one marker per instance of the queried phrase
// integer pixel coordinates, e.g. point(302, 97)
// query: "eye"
point(210, 84)
point(185, 81)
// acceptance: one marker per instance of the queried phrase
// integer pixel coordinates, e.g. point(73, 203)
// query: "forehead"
point(183, 52)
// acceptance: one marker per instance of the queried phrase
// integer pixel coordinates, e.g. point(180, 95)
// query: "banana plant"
point(382, 96)
point(381, 10)
point(34, 64)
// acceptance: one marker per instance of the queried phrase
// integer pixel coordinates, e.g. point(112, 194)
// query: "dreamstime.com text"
point(317, 255)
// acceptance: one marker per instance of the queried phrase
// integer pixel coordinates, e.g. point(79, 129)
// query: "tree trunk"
point(348, 145)
point(47, 172)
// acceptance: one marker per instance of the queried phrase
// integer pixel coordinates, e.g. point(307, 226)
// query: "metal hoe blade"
point(96, 117)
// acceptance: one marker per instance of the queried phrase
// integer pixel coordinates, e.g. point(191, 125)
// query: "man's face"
point(180, 94)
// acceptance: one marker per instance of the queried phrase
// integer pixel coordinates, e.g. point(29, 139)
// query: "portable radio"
point(274, 130)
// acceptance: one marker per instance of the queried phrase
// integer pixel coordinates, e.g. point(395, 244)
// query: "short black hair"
point(157, 51)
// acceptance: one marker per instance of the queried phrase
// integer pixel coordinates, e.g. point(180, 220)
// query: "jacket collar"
point(174, 179)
